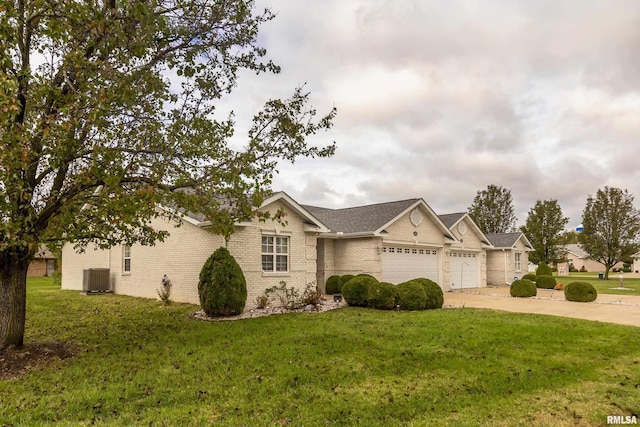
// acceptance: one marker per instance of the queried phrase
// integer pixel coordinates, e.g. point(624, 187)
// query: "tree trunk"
point(13, 298)
point(606, 272)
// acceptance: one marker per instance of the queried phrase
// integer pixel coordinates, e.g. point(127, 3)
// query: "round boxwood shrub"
point(411, 296)
point(331, 287)
point(543, 270)
point(344, 279)
point(222, 287)
point(355, 291)
point(523, 288)
point(530, 276)
point(382, 295)
point(546, 282)
point(580, 292)
point(433, 292)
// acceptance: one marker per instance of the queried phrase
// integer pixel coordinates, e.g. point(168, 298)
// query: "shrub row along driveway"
point(620, 309)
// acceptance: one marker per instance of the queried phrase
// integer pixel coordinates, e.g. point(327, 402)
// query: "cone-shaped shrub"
point(580, 292)
point(530, 276)
point(543, 269)
point(411, 296)
point(331, 287)
point(222, 287)
point(546, 282)
point(433, 292)
point(523, 288)
point(382, 295)
point(356, 291)
point(344, 279)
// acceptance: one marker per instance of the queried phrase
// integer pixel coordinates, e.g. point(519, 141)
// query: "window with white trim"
point(518, 264)
point(126, 259)
point(275, 254)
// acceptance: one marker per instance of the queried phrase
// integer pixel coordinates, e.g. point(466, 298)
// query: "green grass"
point(141, 363)
point(631, 284)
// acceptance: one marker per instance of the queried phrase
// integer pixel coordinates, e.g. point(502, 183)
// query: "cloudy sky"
point(438, 99)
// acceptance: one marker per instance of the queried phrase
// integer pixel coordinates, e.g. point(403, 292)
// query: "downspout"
point(505, 268)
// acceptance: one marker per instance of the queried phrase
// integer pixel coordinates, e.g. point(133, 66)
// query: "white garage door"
point(464, 270)
point(402, 263)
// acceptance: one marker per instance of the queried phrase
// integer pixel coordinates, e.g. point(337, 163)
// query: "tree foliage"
point(544, 227)
point(611, 225)
point(107, 112)
point(492, 210)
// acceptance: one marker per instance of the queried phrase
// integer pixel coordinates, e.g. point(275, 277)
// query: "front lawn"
point(138, 362)
point(631, 284)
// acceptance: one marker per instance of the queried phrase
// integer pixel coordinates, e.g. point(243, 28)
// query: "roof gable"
point(360, 219)
point(372, 219)
point(453, 219)
point(297, 208)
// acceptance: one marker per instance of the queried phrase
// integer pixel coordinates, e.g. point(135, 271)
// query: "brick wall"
point(182, 255)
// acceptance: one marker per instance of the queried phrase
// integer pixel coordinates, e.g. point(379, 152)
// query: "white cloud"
point(439, 99)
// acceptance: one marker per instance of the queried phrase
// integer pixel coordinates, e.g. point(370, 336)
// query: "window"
point(126, 259)
point(275, 254)
point(517, 261)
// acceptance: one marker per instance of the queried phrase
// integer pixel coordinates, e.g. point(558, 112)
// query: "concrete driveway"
point(620, 309)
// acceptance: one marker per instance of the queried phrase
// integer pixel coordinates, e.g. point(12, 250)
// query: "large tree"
point(492, 210)
point(544, 227)
point(611, 225)
point(107, 113)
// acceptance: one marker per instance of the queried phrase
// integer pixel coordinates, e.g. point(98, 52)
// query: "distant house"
point(508, 258)
point(636, 263)
point(394, 242)
point(44, 264)
point(579, 259)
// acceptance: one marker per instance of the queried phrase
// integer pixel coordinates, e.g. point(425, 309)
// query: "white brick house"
point(394, 242)
point(268, 253)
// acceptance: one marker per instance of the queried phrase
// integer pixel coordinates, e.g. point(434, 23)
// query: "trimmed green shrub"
point(583, 269)
point(382, 295)
point(331, 287)
point(543, 270)
point(580, 292)
point(344, 279)
point(411, 296)
point(433, 292)
point(523, 288)
point(546, 282)
point(222, 287)
point(355, 291)
point(530, 276)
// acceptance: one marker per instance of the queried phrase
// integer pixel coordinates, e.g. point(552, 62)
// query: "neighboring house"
point(394, 242)
point(507, 260)
point(44, 264)
point(636, 263)
point(577, 257)
point(468, 255)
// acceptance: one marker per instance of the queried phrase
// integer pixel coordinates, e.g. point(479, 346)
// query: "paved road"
point(621, 309)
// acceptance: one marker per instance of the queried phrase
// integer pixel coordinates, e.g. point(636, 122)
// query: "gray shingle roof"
point(360, 219)
point(576, 250)
point(503, 240)
point(450, 219)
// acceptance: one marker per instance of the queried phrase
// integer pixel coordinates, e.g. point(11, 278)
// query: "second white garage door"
point(464, 270)
point(402, 263)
